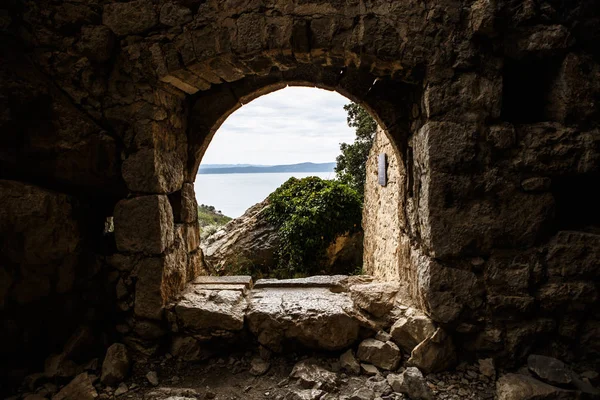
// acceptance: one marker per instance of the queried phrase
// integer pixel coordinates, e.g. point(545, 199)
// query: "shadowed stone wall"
point(491, 107)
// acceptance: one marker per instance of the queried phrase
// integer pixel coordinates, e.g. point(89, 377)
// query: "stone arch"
point(491, 262)
point(390, 102)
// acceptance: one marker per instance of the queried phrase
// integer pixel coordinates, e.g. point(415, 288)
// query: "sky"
point(289, 126)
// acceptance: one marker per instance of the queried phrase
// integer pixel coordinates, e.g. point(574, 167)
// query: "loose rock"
point(259, 367)
point(412, 383)
point(549, 369)
point(152, 378)
point(411, 330)
point(80, 388)
point(486, 367)
point(522, 387)
point(385, 355)
point(368, 369)
point(311, 376)
point(362, 394)
point(375, 298)
point(349, 363)
point(116, 365)
point(436, 353)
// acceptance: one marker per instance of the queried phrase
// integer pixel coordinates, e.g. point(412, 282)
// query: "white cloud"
point(292, 125)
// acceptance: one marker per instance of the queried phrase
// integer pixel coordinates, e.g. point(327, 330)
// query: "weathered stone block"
point(129, 18)
point(552, 149)
point(569, 295)
point(536, 184)
point(184, 204)
point(574, 254)
point(540, 40)
point(208, 310)
point(574, 93)
point(517, 387)
point(314, 317)
point(116, 365)
point(144, 224)
point(502, 136)
point(150, 170)
point(411, 329)
point(385, 355)
point(173, 14)
point(159, 280)
point(469, 97)
point(375, 298)
point(96, 43)
point(79, 388)
point(412, 383)
point(436, 353)
point(447, 291)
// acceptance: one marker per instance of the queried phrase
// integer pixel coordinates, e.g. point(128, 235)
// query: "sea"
point(233, 194)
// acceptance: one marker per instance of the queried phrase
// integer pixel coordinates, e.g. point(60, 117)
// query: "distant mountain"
point(207, 166)
point(265, 169)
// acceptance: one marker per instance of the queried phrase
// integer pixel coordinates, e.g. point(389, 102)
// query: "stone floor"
point(322, 312)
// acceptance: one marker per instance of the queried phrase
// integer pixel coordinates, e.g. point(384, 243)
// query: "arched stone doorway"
point(149, 82)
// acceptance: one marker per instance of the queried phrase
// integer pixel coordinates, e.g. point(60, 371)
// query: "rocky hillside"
point(248, 245)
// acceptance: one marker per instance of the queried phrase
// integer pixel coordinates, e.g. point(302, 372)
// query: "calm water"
point(235, 193)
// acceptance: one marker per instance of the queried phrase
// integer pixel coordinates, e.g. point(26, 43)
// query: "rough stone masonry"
point(489, 115)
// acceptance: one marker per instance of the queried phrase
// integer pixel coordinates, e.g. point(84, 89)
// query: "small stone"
point(116, 365)
point(129, 18)
point(362, 394)
point(349, 363)
point(436, 353)
point(383, 336)
point(376, 298)
point(411, 330)
point(379, 385)
point(79, 388)
point(412, 383)
point(311, 376)
point(368, 369)
point(173, 14)
point(522, 387)
point(259, 367)
point(537, 184)
point(591, 375)
point(306, 394)
point(486, 367)
point(121, 389)
point(549, 369)
point(385, 355)
point(152, 378)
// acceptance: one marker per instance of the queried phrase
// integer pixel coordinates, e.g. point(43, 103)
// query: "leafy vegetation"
point(210, 220)
point(351, 163)
point(310, 213)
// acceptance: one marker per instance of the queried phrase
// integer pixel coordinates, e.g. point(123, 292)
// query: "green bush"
point(310, 213)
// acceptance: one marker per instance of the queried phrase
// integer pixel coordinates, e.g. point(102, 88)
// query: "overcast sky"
point(291, 125)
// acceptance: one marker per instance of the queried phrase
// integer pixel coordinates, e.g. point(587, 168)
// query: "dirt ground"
point(228, 378)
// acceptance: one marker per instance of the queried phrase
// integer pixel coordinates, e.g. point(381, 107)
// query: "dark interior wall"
point(59, 177)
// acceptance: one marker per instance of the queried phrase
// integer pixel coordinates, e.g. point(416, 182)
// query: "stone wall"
point(51, 282)
point(382, 214)
point(491, 106)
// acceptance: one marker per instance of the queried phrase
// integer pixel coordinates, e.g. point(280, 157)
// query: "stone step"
point(245, 280)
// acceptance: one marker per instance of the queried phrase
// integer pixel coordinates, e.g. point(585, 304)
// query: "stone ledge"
point(312, 281)
point(245, 280)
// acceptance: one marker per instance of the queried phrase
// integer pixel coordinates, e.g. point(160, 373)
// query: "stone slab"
point(245, 280)
point(315, 317)
point(221, 286)
point(209, 310)
point(311, 281)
